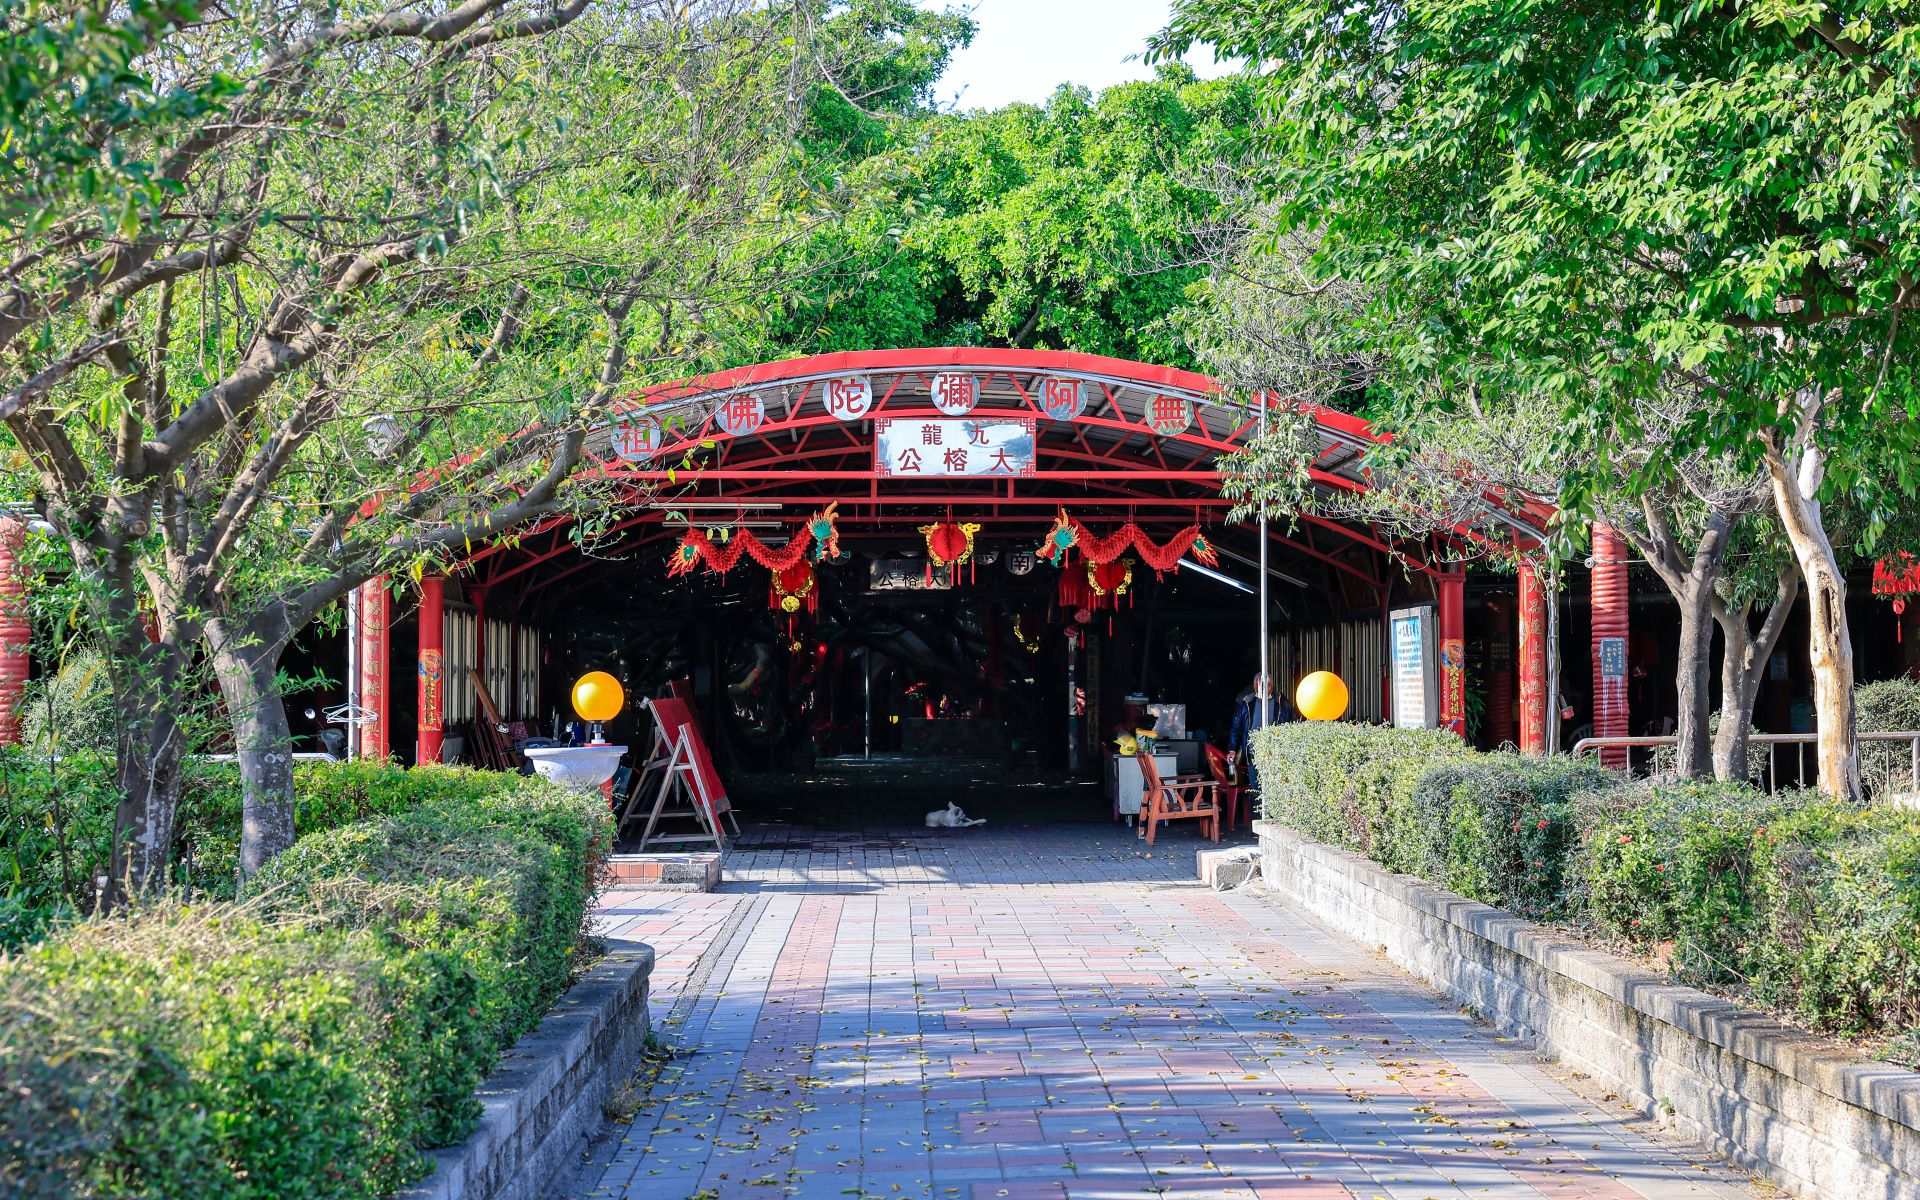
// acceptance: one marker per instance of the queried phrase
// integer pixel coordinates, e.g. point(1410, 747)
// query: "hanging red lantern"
point(1108, 581)
point(793, 589)
point(949, 543)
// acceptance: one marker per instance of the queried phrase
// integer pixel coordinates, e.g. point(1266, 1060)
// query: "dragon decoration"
point(1068, 534)
point(791, 565)
point(817, 541)
point(1108, 567)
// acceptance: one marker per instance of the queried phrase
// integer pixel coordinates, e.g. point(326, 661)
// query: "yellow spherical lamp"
point(597, 697)
point(1321, 696)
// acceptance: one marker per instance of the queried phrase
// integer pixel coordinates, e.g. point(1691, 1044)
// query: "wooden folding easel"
point(679, 778)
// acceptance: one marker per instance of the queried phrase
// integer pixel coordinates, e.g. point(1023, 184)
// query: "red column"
point(16, 633)
point(375, 613)
point(1452, 588)
point(1533, 662)
point(1610, 559)
point(432, 695)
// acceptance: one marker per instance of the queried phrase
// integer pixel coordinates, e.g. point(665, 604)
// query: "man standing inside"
point(1258, 708)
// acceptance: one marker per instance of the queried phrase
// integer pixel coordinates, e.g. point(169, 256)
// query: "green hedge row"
point(56, 823)
point(1807, 906)
point(314, 1037)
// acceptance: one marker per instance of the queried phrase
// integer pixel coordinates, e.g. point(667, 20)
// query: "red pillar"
point(375, 613)
point(1610, 559)
point(1499, 670)
point(1533, 662)
point(1452, 588)
point(16, 633)
point(432, 695)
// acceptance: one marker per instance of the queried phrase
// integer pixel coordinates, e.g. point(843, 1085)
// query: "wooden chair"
point(1177, 799)
point(1233, 796)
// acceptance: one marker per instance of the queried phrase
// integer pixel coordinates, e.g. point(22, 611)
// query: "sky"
point(1026, 48)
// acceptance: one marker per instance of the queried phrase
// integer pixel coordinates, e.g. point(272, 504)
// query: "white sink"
point(583, 768)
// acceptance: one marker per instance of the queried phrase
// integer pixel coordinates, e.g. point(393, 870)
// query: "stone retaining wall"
point(1819, 1122)
point(546, 1097)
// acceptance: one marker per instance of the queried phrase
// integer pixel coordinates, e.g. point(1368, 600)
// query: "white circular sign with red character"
point(740, 414)
point(637, 437)
point(848, 399)
point(1169, 415)
point(955, 395)
point(1061, 399)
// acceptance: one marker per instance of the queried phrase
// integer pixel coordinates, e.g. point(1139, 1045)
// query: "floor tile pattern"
point(1048, 1014)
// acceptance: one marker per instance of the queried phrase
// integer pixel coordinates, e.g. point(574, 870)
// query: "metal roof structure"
point(1111, 439)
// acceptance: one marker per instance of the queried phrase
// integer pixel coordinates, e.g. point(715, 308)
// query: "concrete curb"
point(544, 1100)
point(1765, 1095)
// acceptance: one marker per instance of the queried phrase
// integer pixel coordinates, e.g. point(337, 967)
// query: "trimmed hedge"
point(1797, 902)
point(1350, 785)
point(1887, 706)
point(315, 1038)
point(44, 804)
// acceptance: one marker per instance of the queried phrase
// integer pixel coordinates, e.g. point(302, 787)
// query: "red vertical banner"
point(1533, 662)
point(432, 695)
point(1610, 627)
point(375, 612)
point(1453, 651)
point(16, 632)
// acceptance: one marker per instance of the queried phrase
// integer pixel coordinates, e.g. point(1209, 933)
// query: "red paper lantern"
point(1109, 581)
point(948, 544)
point(793, 588)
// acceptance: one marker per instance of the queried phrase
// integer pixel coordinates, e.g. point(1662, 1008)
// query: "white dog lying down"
point(951, 817)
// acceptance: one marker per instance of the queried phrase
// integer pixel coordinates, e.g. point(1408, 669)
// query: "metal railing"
point(1877, 766)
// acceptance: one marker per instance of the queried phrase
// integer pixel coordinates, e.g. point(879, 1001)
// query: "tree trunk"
point(1690, 578)
point(247, 662)
point(1742, 668)
point(1829, 645)
point(147, 756)
point(1692, 750)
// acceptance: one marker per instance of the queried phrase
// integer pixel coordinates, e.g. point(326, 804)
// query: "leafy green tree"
point(355, 287)
point(1068, 225)
point(1611, 199)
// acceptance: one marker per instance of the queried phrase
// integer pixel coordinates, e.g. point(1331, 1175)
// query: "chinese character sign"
point(741, 414)
point(1061, 399)
point(955, 395)
point(1169, 415)
point(848, 399)
point(945, 447)
point(636, 436)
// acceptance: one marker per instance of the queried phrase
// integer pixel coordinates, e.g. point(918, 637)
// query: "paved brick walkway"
point(918, 1015)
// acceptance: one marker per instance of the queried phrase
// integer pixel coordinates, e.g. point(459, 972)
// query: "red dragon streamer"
point(696, 547)
point(1068, 532)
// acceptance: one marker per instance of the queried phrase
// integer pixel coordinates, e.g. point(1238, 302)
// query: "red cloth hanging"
point(1897, 575)
point(1074, 593)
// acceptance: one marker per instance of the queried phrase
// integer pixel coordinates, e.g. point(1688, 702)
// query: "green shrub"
point(1501, 829)
point(1890, 705)
point(1349, 785)
point(56, 823)
point(1675, 861)
point(315, 1039)
point(1837, 905)
point(1810, 906)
